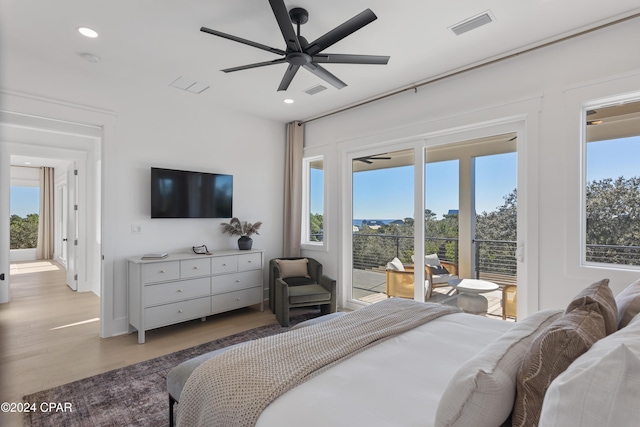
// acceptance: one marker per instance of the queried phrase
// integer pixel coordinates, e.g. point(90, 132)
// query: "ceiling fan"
point(300, 53)
point(369, 159)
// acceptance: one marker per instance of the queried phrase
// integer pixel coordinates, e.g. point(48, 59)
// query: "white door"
point(72, 227)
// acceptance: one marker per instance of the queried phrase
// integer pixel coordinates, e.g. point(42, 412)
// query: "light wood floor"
point(49, 334)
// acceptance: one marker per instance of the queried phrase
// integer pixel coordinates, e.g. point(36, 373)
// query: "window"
point(313, 213)
point(612, 184)
point(25, 205)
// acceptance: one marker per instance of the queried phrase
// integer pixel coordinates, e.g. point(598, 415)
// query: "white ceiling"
point(144, 45)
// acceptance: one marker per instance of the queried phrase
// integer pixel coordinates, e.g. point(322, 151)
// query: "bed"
point(454, 369)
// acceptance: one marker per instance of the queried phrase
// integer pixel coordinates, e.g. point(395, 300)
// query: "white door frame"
point(527, 241)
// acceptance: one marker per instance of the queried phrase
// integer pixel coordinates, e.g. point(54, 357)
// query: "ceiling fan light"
point(88, 32)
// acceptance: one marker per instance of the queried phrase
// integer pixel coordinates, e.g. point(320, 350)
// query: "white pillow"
point(601, 387)
point(482, 391)
point(395, 264)
point(432, 259)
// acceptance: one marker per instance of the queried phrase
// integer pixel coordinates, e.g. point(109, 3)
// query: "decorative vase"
point(244, 243)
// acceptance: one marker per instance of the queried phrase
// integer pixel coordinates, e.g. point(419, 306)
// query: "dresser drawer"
point(224, 264)
point(177, 312)
point(195, 267)
point(236, 281)
point(175, 291)
point(237, 299)
point(250, 262)
point(160, 271)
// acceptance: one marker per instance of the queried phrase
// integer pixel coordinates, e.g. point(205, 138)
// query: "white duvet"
point(396, 383)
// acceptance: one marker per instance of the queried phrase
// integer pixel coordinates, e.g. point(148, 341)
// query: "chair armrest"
point(282, 288)
point(451, 267)
point(328, 283)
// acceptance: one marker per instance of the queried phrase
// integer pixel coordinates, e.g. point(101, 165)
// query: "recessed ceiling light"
point(289, 101)
point(27, 163)
point(88, 32)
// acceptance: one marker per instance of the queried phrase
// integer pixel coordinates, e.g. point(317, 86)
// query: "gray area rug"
point(135, 395)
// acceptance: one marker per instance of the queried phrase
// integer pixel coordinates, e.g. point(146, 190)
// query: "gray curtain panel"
point(293, 189)
point(44, 249)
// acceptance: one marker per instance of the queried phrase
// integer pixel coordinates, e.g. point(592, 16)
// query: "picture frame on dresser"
point(187, 286)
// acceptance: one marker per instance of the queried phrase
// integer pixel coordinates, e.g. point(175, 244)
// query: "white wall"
point(164, 127)
point(546, 87)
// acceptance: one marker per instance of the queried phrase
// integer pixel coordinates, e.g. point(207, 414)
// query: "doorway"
point(62, 142)
point(445, 194)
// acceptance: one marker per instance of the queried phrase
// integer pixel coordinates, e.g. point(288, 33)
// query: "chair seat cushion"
point(297, 281)
point(443, 278)
point(308, 293)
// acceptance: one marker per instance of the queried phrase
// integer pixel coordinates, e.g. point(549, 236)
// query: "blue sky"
point(24, 200)
point(388, 193)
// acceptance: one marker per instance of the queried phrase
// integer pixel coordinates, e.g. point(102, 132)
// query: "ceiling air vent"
point(473, 23)
point(315, 89)
point(189, 85)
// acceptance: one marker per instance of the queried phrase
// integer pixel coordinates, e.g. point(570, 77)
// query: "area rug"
point(135, 395)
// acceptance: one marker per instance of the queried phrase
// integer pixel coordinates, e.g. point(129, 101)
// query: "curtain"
point(44, 249)
point(293, 189)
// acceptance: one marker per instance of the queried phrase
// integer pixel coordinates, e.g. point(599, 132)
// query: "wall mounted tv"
point(184, 194)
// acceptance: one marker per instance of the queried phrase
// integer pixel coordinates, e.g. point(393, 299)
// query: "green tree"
point(316, 227)
point(23, 231)
point(500, 224)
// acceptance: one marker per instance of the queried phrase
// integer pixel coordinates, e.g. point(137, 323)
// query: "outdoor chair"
point(299, 282)
point(400, 278)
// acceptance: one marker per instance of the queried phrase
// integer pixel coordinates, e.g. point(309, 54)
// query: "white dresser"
point(186, 286)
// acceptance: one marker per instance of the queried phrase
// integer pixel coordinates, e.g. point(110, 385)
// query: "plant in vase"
point(244, 229)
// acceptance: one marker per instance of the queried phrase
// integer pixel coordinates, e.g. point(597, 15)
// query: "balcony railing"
point(611, 254)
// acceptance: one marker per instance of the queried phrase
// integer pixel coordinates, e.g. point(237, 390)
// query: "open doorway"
point(71, 150)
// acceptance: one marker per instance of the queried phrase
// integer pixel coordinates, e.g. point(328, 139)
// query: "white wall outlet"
point(136, 228)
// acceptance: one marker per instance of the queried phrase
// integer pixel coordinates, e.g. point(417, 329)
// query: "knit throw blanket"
point(234, 387)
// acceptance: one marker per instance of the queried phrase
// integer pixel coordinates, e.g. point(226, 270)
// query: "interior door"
point(72, 227)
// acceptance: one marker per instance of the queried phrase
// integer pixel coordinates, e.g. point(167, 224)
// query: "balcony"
point(494, 261)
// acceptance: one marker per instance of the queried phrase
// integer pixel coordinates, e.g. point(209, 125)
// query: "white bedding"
point(396, 383)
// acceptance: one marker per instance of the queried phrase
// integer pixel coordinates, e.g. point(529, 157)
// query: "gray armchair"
point(299, 282)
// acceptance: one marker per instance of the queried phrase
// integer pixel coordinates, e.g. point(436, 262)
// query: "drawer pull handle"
point(179, 290)
point(237, 299)
point(195, 267)
point(161, 271)
point(249, 261)
point(179, 311)
point(224, 264)
point(237, 280)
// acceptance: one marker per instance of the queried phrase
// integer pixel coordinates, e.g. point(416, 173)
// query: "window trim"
point(305, 239)
point(586, 106)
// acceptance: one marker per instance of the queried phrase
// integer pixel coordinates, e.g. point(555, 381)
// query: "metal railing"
point(376, 250)
point(492, 257)
point(613, 254)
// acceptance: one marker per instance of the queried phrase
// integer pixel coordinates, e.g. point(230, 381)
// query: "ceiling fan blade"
point(257, 64)
point(243, 41)
point(325, 75)
point(286, 27)
point(340, 32)
point(288, 76)
point(339, 58)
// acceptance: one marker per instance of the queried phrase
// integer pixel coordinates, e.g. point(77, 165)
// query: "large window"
point(612, 184)
point(25, 205)
point(313, 214)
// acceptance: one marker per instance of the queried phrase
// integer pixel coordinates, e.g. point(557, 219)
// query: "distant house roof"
point(453, 212)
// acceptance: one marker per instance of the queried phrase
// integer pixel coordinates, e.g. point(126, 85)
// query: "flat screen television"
point(185, 194)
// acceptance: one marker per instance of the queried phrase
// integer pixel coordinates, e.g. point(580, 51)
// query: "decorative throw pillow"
point(601, 387)
point(432, 259)
point(395, 265)
point(600, 294)
point(628, 302)
point(482, 391)
point(293, 267)
point(549, 355)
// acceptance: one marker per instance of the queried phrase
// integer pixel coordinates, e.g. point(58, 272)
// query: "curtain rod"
point(473, 67)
